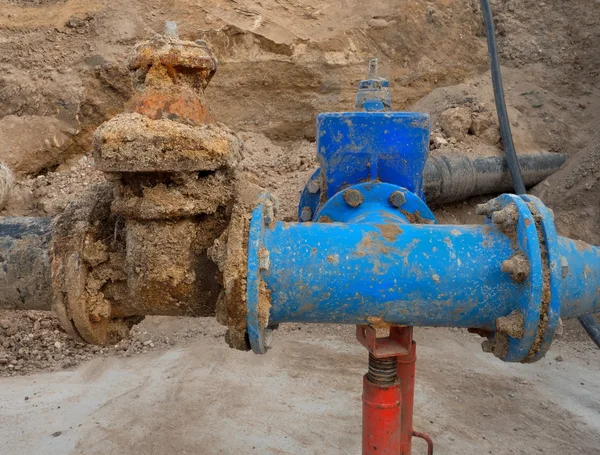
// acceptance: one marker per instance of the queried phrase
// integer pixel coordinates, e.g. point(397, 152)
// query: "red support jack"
point(388, 392)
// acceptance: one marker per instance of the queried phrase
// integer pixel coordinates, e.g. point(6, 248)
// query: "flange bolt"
point(306, 214)
point(314, 186)
point(353, 198)
point(397, 199)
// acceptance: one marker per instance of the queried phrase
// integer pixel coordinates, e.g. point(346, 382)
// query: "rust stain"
point(389, 231)
point(416, 217)
point(333, 259)
point(377, 322)
point(582, 246)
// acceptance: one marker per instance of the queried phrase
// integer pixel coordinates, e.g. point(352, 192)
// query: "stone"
point(378, 23)
point(484, 126)
point(456, 122)
point(31, 143)
point(438, 141)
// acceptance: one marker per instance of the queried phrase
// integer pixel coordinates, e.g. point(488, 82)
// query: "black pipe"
point(25, 273)
point(505, 132)
point(591, 327)
point(454, 178)
point(588, 322)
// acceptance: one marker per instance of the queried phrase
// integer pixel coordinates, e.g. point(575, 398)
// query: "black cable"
point(587, 321)
point(505, 132)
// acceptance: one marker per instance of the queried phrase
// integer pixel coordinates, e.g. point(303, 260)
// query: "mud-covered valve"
point(171, 187)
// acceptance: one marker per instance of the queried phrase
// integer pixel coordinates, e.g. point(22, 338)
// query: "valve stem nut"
point(353, 198)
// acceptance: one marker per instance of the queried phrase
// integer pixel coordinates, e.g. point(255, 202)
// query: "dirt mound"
point(33, 340)
point(574, 195)
point(279, 64)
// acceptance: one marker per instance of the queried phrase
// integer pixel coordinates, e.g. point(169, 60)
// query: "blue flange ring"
point(524, 233)
point(257, 298)
point(310, 198)
point(550, 310)
point(377, 202)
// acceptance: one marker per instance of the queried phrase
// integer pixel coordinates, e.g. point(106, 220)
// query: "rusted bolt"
point(397, 199)
point(306, 214)
point(512, 325)
point(353, 198)
point(564, 266)
point(488, 208)
point(269, 213)
point(314, 186)
point(507, 216)
point(517, 266)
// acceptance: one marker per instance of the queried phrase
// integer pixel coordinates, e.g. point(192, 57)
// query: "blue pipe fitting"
point(374, 145)
point(367, 250)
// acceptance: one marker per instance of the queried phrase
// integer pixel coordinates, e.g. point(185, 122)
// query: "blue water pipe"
point(367, 249)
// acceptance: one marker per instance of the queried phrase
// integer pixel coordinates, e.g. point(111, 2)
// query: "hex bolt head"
point(564, 266)
point(507, 216)
point(314, 186)
point(397, 199)
point(488, 208)
point(306, 214)
point(518, 267)
point(353, 198)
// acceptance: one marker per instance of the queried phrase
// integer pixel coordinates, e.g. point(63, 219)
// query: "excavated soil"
point(63, 71)
point(66, 62)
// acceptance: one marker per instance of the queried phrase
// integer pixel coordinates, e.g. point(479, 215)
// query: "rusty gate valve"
point(171, 173)
point(171, 75)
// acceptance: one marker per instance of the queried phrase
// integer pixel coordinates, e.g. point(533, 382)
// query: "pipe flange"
point(516, 334)
point(86, 264)
point(377, 204)
point(553, 272)
point(258, 300)
point(311, 197)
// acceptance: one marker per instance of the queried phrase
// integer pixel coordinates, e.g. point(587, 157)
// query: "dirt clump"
point(135, 143)
point(456, 122)
point(48, 194)
point(280, 168)
point(32, 341)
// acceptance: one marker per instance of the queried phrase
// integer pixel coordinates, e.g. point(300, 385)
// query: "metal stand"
point(388, 392)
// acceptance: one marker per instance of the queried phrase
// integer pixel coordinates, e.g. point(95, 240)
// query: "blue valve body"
point(367, 249)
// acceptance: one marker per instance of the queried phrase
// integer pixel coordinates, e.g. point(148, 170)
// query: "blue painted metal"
point(376, 207)
point(383, 260)
point(258, 261)
point(530, 292)
point(420, 275)
point(355, 147)
point(551, 245)
point(581, 282)
point(374, 145)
